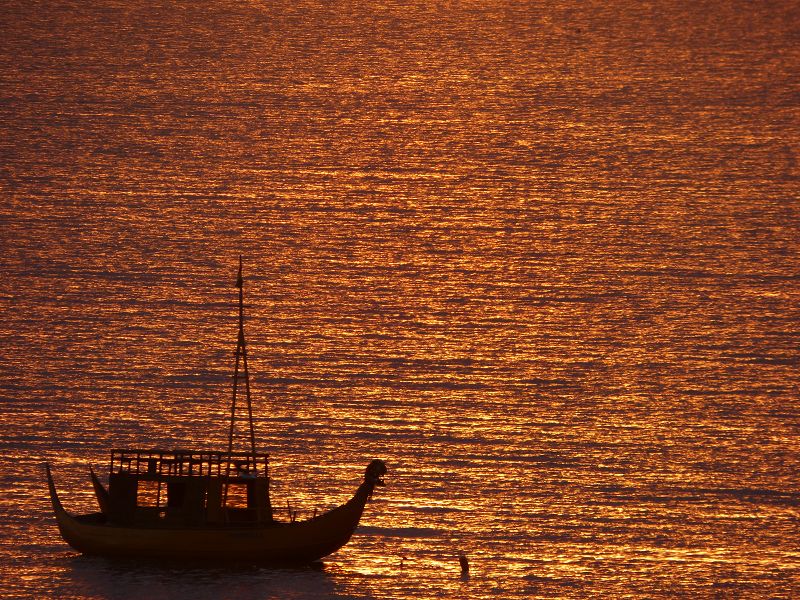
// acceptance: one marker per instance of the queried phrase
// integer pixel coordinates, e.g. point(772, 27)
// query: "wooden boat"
point(208, 506)
point(188, 530)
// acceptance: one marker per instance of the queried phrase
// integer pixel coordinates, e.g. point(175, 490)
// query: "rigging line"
point(249, 403)
point(239, 355)
point(240, 285)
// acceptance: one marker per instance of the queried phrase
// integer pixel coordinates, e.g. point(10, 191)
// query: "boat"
point(196, 505)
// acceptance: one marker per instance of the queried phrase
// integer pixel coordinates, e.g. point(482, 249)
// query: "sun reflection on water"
point(541, 260)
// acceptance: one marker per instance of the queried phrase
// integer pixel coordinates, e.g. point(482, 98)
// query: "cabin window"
point(237, 495)
point(147, 494)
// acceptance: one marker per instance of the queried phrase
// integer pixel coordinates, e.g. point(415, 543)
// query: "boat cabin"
point(183, 487)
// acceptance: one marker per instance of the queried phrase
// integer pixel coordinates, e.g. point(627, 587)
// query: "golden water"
point(542, 258)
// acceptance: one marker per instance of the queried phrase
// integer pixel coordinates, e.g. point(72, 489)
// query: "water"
point(542, 258)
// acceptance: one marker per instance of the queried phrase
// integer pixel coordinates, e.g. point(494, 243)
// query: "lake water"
point(540, 257)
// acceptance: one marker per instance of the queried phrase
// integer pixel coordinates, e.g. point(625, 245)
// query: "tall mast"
point(241, 355)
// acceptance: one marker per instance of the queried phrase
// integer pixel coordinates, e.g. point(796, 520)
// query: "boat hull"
point(298, 542)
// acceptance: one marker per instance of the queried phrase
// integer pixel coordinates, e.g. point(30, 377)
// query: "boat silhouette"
point(205, 505)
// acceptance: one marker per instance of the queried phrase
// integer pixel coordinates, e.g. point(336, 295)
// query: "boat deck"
point(159, 464)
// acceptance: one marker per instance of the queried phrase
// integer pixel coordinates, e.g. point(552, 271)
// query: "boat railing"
point(161, 463)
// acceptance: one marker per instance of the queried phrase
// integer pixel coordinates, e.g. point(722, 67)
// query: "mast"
point(241, 357)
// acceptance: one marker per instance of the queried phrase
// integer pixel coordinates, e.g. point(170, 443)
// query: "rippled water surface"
point(541, 257)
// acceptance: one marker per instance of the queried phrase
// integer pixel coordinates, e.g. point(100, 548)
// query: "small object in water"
point(402, 561)
point(462, 560)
